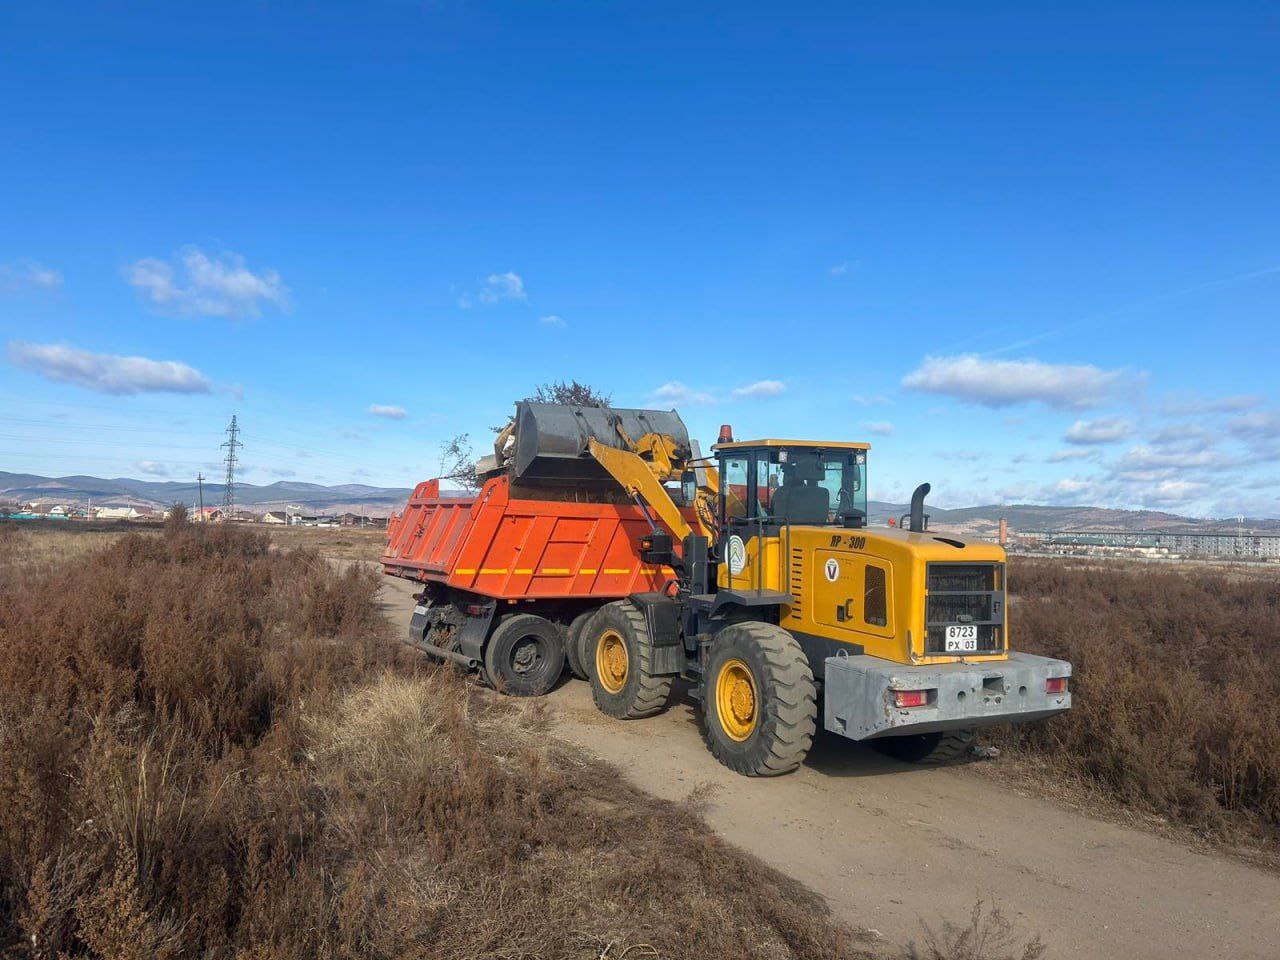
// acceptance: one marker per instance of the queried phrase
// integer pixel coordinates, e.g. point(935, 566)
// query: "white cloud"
point(200, 285)
point(1258, 425)
point(1102, 430)
point(677, 393)
point(1002, 383)
point(24, 274)
point(879, 428)
point(551, 320)
point(1173, 492)
point(152, 468)
point(1067, 491)
point(390, 411)
point(107, 373)
point(502, 286)
point(761, 388)
point(1063, 456)
point(842, 268)
point(874, 400)
point(1183, 436)
point(1125, 493)
point(1145, 464)
point(1188, 403)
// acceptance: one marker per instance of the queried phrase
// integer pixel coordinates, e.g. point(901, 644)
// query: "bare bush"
point(571, 391)
point(211, 750)
point(1176, 686)
point(458, 462)
point(988, 935)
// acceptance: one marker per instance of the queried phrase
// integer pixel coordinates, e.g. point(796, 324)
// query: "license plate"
point(962, 638)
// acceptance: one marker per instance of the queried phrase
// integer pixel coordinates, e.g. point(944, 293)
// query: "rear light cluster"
point(910, 698)
point(1055, 685)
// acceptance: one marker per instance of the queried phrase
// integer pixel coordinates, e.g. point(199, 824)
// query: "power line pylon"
point(232, 444)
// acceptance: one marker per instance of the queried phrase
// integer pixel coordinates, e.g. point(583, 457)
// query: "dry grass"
point(33, 543)
point(211, 751)
point(24, 543)
point(1176, 689)
point(343, 543)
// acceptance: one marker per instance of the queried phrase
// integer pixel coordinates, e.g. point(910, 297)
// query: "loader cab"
point(768, 484)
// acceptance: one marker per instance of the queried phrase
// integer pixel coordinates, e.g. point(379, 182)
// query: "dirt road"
point(889, 844)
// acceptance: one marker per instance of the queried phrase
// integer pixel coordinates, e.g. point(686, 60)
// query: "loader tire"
point(759, 701)
point(524, 656)
point(926, 749)
point(621, 655)
point(573, 645)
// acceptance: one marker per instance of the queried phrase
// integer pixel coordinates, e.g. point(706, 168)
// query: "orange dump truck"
point(512, 573)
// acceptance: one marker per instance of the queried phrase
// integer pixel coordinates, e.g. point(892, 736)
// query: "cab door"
point(752, 550)
point(853, 594)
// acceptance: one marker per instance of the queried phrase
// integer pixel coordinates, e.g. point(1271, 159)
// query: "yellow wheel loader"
point(765, 588)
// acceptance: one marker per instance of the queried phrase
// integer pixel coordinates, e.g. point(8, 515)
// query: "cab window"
point(733, 487)
point(794, 485)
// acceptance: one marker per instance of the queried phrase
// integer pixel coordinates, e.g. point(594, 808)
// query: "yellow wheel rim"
point(737, 702)
point(612, 661)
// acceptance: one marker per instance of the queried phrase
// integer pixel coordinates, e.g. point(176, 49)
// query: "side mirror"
point(689, 486)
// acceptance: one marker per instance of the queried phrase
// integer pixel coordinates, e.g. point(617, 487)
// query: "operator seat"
point(801, 501)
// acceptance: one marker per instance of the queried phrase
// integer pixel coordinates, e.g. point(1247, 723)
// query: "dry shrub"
point(211, 750)
point(1176, 686)
point(988, 935)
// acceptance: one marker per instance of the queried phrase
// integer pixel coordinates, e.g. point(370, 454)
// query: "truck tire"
point(587, 647)
point(573, 645)
point(926, 748)
point(524, 656)
point(759, 701)
point(621, 654)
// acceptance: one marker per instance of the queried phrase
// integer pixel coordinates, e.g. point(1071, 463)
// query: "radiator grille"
point(965, 594)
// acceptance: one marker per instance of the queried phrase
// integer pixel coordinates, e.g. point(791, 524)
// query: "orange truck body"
point(521, 549)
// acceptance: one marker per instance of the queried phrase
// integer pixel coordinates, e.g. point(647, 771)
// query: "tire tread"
point(651, 692)
point(790, 689)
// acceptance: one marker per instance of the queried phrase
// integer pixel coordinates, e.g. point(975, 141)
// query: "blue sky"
point(1031, 252)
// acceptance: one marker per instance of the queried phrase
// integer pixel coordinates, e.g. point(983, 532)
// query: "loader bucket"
point(551, 438)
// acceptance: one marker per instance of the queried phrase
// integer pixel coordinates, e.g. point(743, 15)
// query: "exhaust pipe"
point(917, 508)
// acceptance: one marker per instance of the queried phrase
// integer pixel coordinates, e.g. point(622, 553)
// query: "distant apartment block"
point(1155, 544)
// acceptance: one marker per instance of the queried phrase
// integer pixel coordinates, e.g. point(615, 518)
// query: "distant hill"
point(314, 497)
point(124, 491)
point(985, 520)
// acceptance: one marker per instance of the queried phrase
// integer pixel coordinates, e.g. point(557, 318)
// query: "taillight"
point(910, 698)
point(1055, 685)
point(475, 609)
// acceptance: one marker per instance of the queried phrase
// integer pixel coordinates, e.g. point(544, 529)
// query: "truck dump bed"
point(516, 549)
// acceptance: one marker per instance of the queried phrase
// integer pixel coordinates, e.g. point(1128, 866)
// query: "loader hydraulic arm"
point(639, 480)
